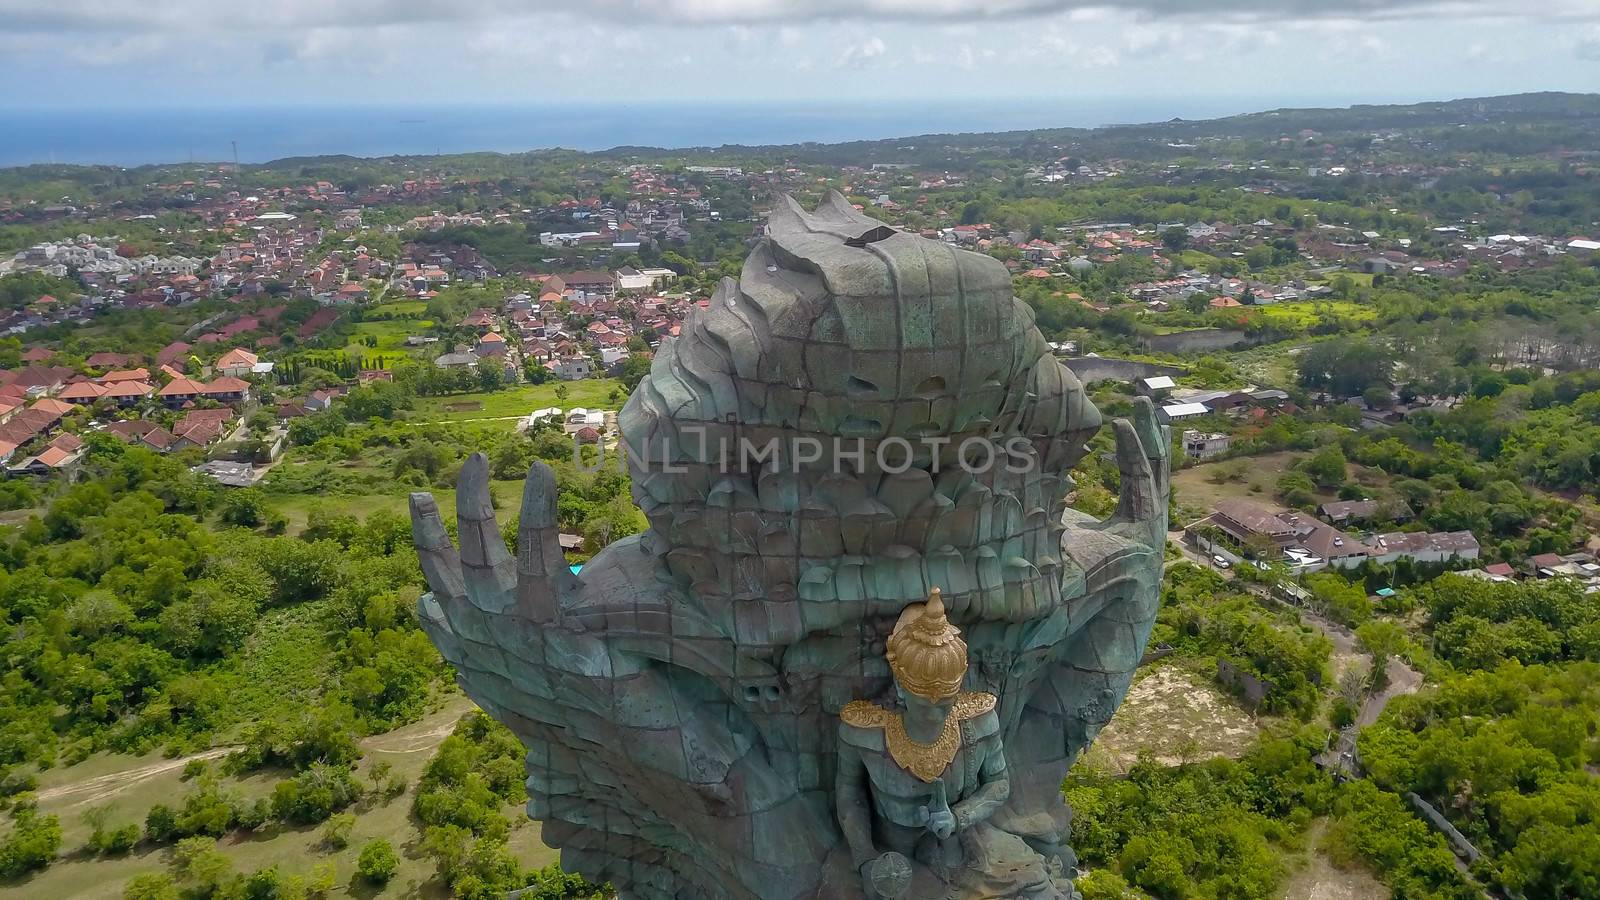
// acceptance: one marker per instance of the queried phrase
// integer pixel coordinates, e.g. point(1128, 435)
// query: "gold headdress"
point(926, 652)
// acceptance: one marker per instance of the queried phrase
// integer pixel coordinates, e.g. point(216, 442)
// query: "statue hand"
point(1142, 461)
point(942, 824)
point(481, 582)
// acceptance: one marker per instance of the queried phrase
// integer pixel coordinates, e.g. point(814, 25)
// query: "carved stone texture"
point(810, 454)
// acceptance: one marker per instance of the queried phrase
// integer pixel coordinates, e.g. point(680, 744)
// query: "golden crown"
point(926, 652)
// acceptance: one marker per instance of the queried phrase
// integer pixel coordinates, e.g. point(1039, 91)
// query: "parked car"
point(1220, 562)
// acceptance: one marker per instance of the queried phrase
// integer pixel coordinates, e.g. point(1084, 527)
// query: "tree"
point(151, 886)
point(336, 833)
point(201, 864)
point(32, 842)
point(246, 507)
point(634, 370)
point(377, 862)
point(1382, 639)
point(563, 392)
point(1175, 238)
point(1345, 367)
point(1327, 467)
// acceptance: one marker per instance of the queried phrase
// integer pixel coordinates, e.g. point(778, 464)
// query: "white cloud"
point(249, 15)
point(861, 53)
point(1586, 43)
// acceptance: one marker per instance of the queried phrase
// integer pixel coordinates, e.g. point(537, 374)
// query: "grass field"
point(131, 785)
point(1197, 496)
point(1271, 365)
point(390, 333)
point(398, 308)
point(519, 400)
point(507, 495)
point(1307, 313)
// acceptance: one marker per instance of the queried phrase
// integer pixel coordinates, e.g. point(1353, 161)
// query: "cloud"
point(243, 16)
point(1586, 44)
point(860, 54)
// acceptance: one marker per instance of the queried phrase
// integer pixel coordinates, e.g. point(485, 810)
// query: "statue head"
point(926, 653)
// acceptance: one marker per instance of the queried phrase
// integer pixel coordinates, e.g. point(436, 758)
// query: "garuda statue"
point(864, 637)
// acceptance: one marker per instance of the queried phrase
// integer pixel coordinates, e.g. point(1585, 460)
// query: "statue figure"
point(863, 416)
point(920, 781)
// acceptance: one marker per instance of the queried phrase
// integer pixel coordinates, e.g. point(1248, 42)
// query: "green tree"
point(377, 862)
point(151, 886)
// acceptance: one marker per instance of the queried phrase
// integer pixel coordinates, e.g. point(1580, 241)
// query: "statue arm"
point(993, 790)
point(853, 803)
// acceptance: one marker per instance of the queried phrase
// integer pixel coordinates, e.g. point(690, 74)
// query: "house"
point(237, 363)
point(1173, 412)
point(631, 279)
point(179, 391)
point(319, 400)
point(1544, 565)
point(55, 408)
point(1155, 386)
point(591, 284)
point(482, 320)
point(82, 392)
point(116, 375)
point(1500, 571)
point(229, 474)
point(1306, 543)
point(49, 461)
point(572, 368)
point(580, 418)
point(227, 389)
point(1346, 511)
point(456, 360)
point(1205, 445)
point(490, 344)
point(1245, 522)
point(128, 393)
point(1580, 565)
point(1422, 547)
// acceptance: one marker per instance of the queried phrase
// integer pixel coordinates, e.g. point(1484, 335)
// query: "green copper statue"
point(920, 782)
point(864, 637)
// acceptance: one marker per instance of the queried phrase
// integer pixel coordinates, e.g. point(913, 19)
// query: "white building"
point(1205, 445)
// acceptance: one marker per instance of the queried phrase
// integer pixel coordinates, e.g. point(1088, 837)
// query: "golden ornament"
point(925, 761)
point(926, 652)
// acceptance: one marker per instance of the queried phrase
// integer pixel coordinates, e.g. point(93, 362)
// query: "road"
point(1401, 680)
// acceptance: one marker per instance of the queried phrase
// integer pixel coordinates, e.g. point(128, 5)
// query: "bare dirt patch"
point(1178, 717)
point(1198, 493)
point(1318, 878)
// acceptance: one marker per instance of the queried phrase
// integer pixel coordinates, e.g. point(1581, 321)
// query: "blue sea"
point(131, 137)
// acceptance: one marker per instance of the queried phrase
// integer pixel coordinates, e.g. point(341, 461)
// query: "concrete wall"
point(1458, 841)
point(1091, 369)
point(1199, 340)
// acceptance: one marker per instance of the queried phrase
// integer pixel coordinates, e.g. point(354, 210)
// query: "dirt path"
point(417, 737)
point(409, 743)
point(102, 786)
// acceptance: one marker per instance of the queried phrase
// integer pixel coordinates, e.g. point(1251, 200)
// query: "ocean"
point(132, 137)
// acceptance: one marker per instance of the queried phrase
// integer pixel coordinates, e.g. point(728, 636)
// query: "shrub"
point(336, 833)
point(161, 824)
point(32, 843)
point(377, 862)
point(151, 886)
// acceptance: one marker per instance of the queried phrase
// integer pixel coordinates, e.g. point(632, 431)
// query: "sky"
point(1169, 54)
